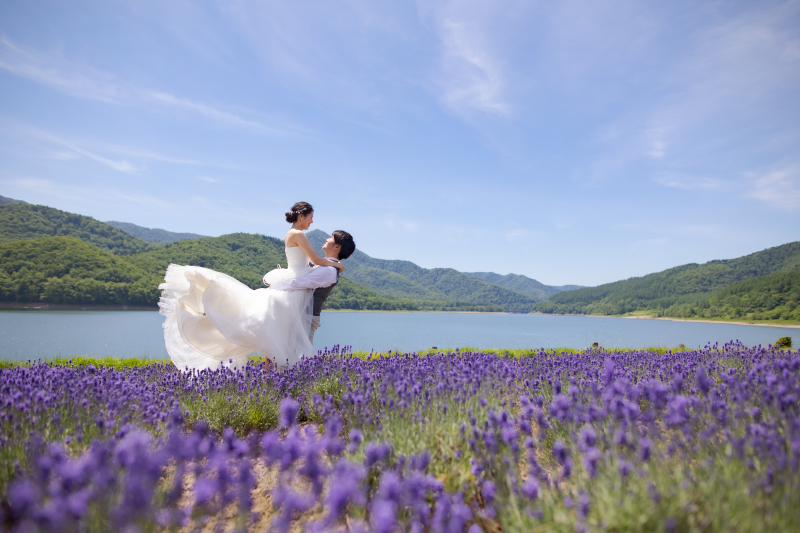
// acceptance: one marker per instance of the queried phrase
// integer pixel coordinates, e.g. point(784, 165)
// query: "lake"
point(36, 334)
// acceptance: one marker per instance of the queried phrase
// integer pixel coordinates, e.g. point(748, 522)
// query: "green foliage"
point(244, 256)
point(774, 298)
point(108, 362)
point(349, 295)
point(88, 277)
point(152, 234)
point(524, 284)
point(404, 279)
point(771, 297)
point(713, 290)
point(69, 271)
point(65, 270)
point(783, 342)
point(25, 221)
point(5, 200)
point(225, 408)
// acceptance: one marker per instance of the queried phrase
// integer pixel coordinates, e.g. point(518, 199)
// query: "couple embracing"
point(213, 320)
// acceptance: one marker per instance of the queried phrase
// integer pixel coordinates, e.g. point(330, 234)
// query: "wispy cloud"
point(689, 183)
point(657, 145)
point(205, 110)
point(74, 150)
point(208, 179)
point(780, 189)
point(91, 84)
point(54, 72)
point(474, 79)
point(58, 147)
point(394, 223)
point(649, 243)
point(516, 235)
point(83, 195)
point(732, 76)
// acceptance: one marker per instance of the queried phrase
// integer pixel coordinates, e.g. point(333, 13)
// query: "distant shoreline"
point(648, 317)
point(79, 307)
point(42, 306)
point(704, 320)
point(423, 311)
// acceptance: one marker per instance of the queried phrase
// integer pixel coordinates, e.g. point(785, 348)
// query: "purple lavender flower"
point(588, 437)
point(488, 491)
point(583, 506)
point(384, 515)
point(375, 452)
point(560, 452)
point(531, 487)
point(204, 490)
point(590, 459)
point(288, 409)
point(624, 468)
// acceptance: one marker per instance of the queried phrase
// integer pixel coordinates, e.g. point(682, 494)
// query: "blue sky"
point(573, 142)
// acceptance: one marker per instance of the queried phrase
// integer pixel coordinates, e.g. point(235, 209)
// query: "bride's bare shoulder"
point(293, 236)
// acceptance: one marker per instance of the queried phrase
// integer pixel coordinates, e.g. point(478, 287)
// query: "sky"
point(574, 142)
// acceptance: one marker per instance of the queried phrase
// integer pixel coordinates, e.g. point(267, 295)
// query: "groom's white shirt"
point(320, 276)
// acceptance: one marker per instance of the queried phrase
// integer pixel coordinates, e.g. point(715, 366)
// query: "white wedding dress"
point(214, 320)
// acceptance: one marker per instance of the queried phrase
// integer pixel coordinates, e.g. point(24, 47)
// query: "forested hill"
point(69, 270)
point(404, 279)
point(524, 284)
point(26, 221)
point(674, 292)
point(51, 256)
point(771, 297)
point(4, 201)
point(156, 235)
point(66, 270)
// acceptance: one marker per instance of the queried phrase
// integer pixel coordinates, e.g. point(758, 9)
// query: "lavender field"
point(705, 440)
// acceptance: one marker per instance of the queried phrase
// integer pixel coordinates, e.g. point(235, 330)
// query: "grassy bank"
point(138, 362)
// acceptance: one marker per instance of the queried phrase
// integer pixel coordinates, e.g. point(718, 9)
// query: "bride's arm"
point(302, 242)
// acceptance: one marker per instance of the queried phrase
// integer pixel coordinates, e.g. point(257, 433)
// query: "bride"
point(213, 320)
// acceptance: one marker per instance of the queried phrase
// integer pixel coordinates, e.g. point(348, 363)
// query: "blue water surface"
point(38, 334)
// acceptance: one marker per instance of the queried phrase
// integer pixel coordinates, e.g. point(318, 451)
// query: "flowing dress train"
point(214, 320)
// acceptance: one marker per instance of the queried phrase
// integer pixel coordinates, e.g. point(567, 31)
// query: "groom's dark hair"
point(345, 240)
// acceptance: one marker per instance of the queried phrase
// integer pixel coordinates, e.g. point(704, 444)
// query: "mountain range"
point(524, 284)
point(6, 201)
point(368, 283)
point(50, 255)
point(763, 285)
point(155, 235)
point(404, 279)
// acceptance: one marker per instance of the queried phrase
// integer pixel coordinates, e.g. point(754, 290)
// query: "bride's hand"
point(340, 266)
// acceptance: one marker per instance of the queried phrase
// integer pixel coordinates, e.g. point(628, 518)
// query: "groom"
point(322, 279)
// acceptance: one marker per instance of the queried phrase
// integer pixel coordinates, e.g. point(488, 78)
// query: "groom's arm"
point(319, 277)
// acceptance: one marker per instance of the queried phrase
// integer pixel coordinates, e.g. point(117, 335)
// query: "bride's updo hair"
point(300, 208)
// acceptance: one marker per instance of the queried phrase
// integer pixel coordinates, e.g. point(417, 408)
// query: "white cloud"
point(516, 235)
point(394, 223)
point(780, 189)
point(657, 149)
point(203, 109)
point(342, 52)
point(87, 83)
point(689, 183)
point(474, 79)
point(61, 155)
point(51, 71)
point(208, 179)
point(649, 243)
point(60, 148)
point(731, 76)
point(76, 149)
